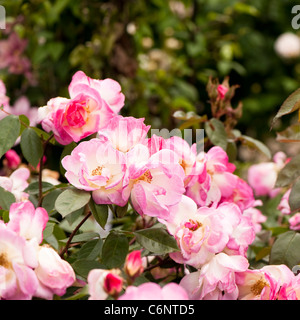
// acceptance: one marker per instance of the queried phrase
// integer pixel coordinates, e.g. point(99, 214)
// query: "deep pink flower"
point(133, 265)
point(13, 159)
point(103, 282)
point(222, 90)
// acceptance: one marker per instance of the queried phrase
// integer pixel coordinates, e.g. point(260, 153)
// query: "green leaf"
point(100, 212)
point(285, 249)
point(71, 200)
point(49, 200)
point(291, 104)
point(156, 240)
point(121, 211)
point(288, 173)
point(83, 266)
point(24, 121)
point(33, 187)
point(291, 134)
point(4, 214)
point(115, 250)
point(294, 198)
point(31, 146)
point(91, 249)
point(9, 132)
point(82, 237)
point(255, 144)
point(6, 199)
point(215, 131)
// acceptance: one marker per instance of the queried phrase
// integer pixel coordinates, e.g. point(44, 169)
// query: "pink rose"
point(27, 221)
point(222, 90)
point(13, 159)
point(152, 291)
point(125, 132)
point(216, 279)
point(17, 260)
point(55, 275)
point(154, 183)
point(96, 166)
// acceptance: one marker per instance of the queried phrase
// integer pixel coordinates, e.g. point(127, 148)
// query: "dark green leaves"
point(156, 240)
point(286, 249)
point(71, 200)
point(294, 198)
point(9, 132)
point(31, 146)
point(6, 199)
point(215, 131)
point(100, 212)
point(289, 173)
point(291, 104)
point(115, 250)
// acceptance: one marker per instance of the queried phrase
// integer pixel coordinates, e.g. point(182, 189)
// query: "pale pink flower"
point(4, 99)
point(54, 274)
point(284, 205)
point(201, 233)
point(255, 215)
point(125, 132)
point(264, 283)
point(108, 89)
point(133, 264)
point(27, 221)
point(155, 144)
point(213, 178)
point(96, 166)
point(12, 159)
point(103, 283)
point(17, 260)
point(152, 291)
point(216, 280)
point(222, 90)
point(262, 176)
point(16, 183)
point(294, 221)
point(154, 183)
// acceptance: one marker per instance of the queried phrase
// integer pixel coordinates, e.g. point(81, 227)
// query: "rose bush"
point(134, 216)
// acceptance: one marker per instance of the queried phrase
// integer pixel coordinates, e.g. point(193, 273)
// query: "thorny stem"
point(65, 249)
point(45, 143)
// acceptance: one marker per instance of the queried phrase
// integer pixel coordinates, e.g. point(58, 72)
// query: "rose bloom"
point(17, 260)
point(222, 90)
point(125, 132)
point(264, 283)
point(262, 177)
point(216, 279)
point(90, 108)
point(103, 283)
point(201, 233)
point(154, 184)
point(213, 179)
point(16, 183)
point(27, 221)
point(152, 291)
point(54, 274)
point(96, 166)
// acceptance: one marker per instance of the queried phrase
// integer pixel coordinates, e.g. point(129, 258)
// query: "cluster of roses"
point(210, 211)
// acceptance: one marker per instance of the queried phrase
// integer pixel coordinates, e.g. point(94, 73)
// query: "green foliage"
point(9, 132)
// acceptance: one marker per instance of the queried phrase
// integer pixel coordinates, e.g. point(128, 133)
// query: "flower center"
point(193, 225)
point(4, 262)
point(97, 171)
point(76, 113)
point(258, 286)
point(146, 177)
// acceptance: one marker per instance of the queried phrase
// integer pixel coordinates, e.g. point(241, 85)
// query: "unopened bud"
point(113, 284)
point(133, 264)
point(222, 90)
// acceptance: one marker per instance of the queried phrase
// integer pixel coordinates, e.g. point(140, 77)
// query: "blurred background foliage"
point(161, 51)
